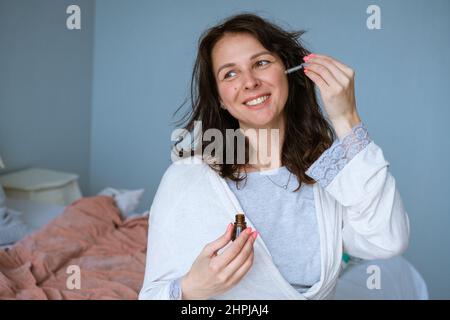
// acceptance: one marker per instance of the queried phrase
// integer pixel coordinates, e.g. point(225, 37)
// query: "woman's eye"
point(260, 64)
point(226, 75)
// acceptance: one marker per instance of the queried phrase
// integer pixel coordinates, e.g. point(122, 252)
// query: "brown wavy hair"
point(307, 133)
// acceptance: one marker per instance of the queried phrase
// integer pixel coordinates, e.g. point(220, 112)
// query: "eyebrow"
point(251, 58)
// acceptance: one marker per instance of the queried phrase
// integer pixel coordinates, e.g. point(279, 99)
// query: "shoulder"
point(184, 171)
point(184, 180)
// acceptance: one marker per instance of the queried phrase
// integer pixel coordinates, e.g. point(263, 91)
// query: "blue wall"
point(45, 86)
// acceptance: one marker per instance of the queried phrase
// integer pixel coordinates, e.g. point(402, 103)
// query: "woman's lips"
point(261, 105)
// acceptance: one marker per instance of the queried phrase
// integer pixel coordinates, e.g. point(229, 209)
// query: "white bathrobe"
point(359, 212)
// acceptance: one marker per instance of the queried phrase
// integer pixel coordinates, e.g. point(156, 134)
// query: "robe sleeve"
point(355, 173)
point(162, 279)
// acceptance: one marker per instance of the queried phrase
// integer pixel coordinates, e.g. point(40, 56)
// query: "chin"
point(261, 122)
point(263, 118)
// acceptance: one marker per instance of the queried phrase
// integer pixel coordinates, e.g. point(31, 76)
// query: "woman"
point(318, 196)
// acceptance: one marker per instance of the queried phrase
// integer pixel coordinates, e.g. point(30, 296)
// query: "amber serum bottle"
point(239, 225)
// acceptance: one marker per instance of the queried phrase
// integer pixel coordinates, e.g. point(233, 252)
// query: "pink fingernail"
point(309, 56)
point(249, 230)
point(255, 234)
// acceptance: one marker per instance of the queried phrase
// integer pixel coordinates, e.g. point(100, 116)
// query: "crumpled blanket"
point(90, 234)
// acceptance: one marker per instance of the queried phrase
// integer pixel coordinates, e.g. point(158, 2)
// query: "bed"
point(110, 251)
point(91, 234)
point(399, 280)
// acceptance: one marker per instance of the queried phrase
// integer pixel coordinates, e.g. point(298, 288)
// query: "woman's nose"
point(250, 81)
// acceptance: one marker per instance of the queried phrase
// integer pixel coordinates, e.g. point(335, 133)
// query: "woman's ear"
point(222, 105)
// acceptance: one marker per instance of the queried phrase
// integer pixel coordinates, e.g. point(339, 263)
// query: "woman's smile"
point(258, 103)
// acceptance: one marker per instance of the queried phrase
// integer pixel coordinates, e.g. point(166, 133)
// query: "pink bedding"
point(91, 234)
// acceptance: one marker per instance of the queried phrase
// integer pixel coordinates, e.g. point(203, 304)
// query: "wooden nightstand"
point(42, 185)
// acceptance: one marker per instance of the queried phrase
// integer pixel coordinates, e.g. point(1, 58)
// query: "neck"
point(265, 145)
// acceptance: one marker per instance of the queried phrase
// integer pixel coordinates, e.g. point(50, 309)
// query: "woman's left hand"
point(336, 84)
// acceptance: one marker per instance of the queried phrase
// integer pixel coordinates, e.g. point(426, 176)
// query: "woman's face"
point(245, 70)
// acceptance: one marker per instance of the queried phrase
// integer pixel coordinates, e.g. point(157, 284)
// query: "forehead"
point(233, 48)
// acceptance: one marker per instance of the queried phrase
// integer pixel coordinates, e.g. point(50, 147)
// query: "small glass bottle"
point(239, 225)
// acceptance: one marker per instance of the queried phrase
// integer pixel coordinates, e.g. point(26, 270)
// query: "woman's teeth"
point(257, 101)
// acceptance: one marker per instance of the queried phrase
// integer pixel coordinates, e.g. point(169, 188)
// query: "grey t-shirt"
point(286, 222)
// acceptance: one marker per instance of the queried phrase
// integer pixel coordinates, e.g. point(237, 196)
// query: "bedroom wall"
point(45, 86)
point(143, 57)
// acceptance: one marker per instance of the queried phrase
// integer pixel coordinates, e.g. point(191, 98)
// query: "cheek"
point(285, 85)
point(281, 82)
point(275, 77)
point(280, 79)
point(228, 93)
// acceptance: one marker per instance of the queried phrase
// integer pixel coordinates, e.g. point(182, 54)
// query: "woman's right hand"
point(212, 274)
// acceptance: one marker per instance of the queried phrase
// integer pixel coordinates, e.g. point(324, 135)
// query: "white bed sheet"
point(34, 214)
point(399, 281)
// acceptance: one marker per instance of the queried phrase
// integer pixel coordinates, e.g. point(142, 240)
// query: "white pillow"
point(12, 228)
point(126, 200)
